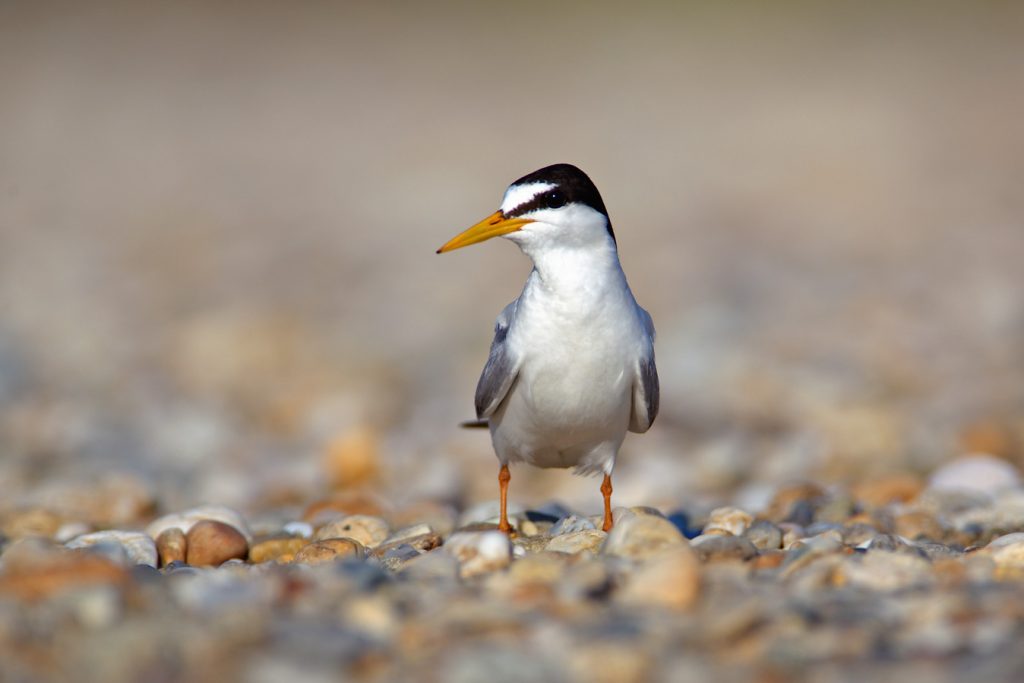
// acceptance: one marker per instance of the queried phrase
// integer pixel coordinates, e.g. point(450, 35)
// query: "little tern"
point(571, 367)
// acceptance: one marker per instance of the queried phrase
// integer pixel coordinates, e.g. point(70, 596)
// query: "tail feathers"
point(475, 424)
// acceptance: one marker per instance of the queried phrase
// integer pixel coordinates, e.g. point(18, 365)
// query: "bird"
point(571, 367)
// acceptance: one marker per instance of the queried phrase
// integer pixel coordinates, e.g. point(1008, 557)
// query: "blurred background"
point(218, 222)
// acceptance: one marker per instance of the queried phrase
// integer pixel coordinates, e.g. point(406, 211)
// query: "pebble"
point(717, 547)
point(369, 531)
point(885, 571)
point(171, 546)
point(132, 547)
point(571, 524)
point(978, 473)
point(584, 540)
point(1007, 552)
point(670, 578)
point(35, 570)
point(210, 543)
point(185, 520)
point(728, 520)
point(638, 537)
point(277, 549)
point(479, 552)
point(764, 535)
point(329, 550)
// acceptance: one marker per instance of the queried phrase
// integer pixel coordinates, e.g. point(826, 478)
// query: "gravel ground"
point(228, 348)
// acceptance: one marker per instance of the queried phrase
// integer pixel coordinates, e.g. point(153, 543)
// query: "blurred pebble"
point(885, 571)
point(728, 520)
point(210, 543)
point(185, 520)
point(584, 540)
point(1007, 552)
point(570, 524)
point(669, 578)
point(894, 488)
point(409, 532)
point(369, 531)
point(716, 547)
point(479, 552)
point(764, 535)
point(329, 550)
point(32, 522)
point(978, 473)
point(640, 536)
point(134, 547)
point(276, 549)
point(171, 546)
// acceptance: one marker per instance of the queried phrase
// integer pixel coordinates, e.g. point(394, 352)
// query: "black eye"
point(554, 200)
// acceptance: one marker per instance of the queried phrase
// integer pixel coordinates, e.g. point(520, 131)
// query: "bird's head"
point(557, 206)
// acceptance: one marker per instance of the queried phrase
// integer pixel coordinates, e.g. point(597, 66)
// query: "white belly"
point(571, 402)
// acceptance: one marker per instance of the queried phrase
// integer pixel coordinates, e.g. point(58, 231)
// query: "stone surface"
point(329, 550)
point(479, 552)
point(584, 540)
point(277, 549)
point(640, 536)
point(211, 543)
point(977, 473)
point(728, 520)
point(135, 547)
point(171, 546)
point(669, 578)
point(369, 531)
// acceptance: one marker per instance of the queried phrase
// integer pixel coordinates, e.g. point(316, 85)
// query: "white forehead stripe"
point(517, 195)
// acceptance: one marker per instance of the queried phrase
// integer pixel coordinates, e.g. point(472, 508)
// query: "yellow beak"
point(494, 225)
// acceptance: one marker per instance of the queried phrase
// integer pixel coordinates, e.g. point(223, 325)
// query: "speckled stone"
point(764, 535)
point(277, 549)
point(329, 550)
point(369, 531)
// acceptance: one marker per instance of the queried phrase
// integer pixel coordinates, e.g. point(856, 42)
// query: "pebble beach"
point(233, 369)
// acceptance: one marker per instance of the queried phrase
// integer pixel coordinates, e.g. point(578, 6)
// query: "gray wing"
point(645, 384)
point(501, 370)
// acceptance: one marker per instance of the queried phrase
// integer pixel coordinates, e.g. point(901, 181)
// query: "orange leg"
point(504, 476)
point(606, 489)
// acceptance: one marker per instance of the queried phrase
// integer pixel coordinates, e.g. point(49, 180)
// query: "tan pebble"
point(532, 577)
point(916, 525)
point(32, 522)
point(586, 540)
point(769, 559)
point(1007, 552)
point(609, 662)
point(211, 543)
point(352, 458)
point(34, 570)
point(670, 578)
point(279, 549)
point(328, 550)
point(784, 499)
point(639, 537)
point(729, 520)
point(894, 488)
point(369, 531)
point(171, 545)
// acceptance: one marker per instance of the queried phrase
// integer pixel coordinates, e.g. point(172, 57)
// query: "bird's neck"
point(574, 271)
